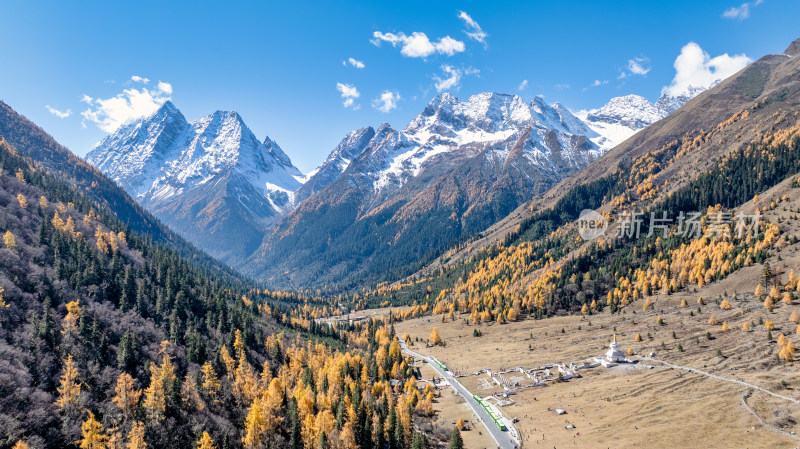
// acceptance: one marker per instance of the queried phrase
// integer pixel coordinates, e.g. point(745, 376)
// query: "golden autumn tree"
point(746, 327)
point(92, 436)
point(126, 395)
point(787, 298)
point(787, 351)
point(794, 317)
point(20, 445)
point(435, 337)
point(725, 326)
point(3, 303)
point(23, 202)
point(161, 379)
point(205, 442)
point(9, 240)
point(70, 324)
point(769, 304)
point(712, 320)
point(210, 382)
point(69, 388)
point(759, 290)
point(136, 436)
point(262, 417)
point(725, 305)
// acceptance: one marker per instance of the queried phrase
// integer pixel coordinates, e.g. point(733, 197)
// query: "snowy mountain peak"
point(632, 111)
point(162, 156)
point(622, 117)
point(277, 152)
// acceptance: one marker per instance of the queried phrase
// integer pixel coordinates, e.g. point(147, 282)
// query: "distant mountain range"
point(382, 195)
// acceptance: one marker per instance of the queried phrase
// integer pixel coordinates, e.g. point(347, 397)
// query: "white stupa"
point(614, 354)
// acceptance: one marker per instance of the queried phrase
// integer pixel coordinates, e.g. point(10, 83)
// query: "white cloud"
point(139, 79)
point(353, 62)
point(386, 101)
point(637, 66)
point(474, 30)
point(562, 86)
point(740, 12)
point(596, 83)
point(453, 77)
point(349, 93)
point(522, 85)
point(695, 68)
point(108, 114)
point(58, 113)
point(418, 45)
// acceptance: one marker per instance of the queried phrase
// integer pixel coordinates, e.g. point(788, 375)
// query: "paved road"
point(503, 439)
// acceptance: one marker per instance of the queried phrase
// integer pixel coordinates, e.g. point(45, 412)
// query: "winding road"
point(504, 440)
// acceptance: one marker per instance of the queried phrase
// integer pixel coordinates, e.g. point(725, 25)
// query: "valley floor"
point(633, 405)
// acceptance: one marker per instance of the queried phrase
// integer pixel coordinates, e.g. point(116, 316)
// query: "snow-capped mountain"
point(622, 117)
point(386, 197)
point(203, 178)
point(337, 162)
point(494, 124)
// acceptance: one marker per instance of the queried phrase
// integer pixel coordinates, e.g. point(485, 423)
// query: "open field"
point(630, 405)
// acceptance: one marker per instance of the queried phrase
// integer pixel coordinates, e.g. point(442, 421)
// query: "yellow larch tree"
point(20, 445)
point(769, 304)
point(136, 436)
point(69, 388)
point(70, 324)
point(725, 305)
point(787, 351)
point(435, 337)
point(759, 290)
point(713, 320)
point(126, 395)
point(23, 202)
point(92, 436)
point(205, 442)
point(787, 298)
point(746, 327)
point(725, 326)
point(161, 379)
point(9, 240)
point(794, 317)
point(210, 381)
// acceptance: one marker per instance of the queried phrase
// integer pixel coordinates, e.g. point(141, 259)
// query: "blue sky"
point(285, 67)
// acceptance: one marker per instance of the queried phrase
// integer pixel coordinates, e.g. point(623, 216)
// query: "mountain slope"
point(109, 337)
point(31, 141)
point(767, 89)
point(209, 180)
point(454, 170)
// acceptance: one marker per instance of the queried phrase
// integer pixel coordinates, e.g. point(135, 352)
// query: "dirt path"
point(744, 396)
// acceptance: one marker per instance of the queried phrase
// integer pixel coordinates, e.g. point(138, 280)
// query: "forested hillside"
point(110, 339)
